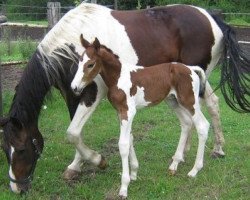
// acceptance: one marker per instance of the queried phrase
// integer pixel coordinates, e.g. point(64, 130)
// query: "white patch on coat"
point(125, 84)
point(78, 82)
point(13, 186)
point(92, 21)
point(139, 98)
point(217, 48)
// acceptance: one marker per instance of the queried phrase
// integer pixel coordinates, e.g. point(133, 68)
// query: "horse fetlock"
point(75, 139)
point(123, 193)
point(133, 175)
point(218, 152)
point(192, 173)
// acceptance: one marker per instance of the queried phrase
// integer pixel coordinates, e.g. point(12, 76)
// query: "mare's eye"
point(90, 65)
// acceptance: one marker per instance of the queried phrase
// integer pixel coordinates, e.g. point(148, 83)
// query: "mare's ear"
point(96, 44)
point(3, 121)
point(84, 42)
point(16, 122)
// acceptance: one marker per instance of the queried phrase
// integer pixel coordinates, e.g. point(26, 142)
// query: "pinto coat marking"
point(131, 87)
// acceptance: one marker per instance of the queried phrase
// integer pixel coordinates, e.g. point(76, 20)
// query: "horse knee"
point(123, 148)
point(73, 137)
point(202, 129)
point(212, 102)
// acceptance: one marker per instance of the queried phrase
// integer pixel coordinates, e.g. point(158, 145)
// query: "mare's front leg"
point(92, 97)
point(126, 119)
point(212, 103)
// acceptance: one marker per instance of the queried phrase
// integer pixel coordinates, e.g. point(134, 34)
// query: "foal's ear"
point(3, 121)
point(84, 42)
point(96, 44)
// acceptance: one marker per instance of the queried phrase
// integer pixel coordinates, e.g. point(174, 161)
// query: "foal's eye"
point(90, 65)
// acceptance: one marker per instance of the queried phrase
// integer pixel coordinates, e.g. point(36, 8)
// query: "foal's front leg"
point(124, 147)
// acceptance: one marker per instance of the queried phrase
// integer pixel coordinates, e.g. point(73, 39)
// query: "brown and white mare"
point(175, 33)
point(132, 87)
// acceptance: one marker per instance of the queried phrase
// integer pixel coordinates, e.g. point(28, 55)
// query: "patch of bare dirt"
point(10, 75)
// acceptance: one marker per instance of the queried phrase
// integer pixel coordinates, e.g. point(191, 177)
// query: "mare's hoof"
point(216, 154)
point(171, 172)
point(70, 175)
point(103, 164)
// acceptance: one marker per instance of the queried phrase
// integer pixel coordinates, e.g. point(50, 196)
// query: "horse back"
point(172, 33)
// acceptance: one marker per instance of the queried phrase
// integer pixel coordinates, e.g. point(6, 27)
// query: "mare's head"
point(22, 146)
point(89, 65)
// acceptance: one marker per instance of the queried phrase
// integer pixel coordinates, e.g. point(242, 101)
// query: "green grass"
point(156, 132)
point(16, 50)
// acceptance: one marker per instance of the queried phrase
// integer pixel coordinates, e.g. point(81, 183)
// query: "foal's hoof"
point(103, 163)
point(171, 172)
point(70, 175)
point(216, 154)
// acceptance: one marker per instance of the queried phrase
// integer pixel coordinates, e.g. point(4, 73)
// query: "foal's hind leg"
point(202, 126)
point(212, 103)
point(186, 126)
point(83, 152)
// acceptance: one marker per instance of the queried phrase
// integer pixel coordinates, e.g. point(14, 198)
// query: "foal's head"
point(22, 147)
point(89, 65)
point(93, 61)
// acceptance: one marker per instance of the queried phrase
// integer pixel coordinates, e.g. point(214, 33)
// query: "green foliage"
point(17, 50)
point(27, 48)
point(29, 9)
point(225, 5)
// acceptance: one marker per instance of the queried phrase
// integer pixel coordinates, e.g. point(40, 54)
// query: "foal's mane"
point(110, 53)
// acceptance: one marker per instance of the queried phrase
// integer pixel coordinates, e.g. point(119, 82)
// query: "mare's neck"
point(30, 92)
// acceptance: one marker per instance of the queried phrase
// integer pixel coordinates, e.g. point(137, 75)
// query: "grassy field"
point(156, 132)
point(16, 50)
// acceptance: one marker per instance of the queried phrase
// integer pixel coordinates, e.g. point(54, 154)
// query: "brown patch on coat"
point(178, 33)
point(158, 81)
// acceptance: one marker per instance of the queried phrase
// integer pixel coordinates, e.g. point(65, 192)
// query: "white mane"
point(92, 21)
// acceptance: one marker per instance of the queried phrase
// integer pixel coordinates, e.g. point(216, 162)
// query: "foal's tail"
point(235, 71)
point(200, 72)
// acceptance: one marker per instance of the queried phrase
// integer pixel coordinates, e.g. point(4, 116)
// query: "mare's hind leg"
point(83, 152)
point(186, 126)
point(212, 103)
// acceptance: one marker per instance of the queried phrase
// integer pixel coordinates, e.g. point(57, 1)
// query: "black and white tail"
point(235, 71)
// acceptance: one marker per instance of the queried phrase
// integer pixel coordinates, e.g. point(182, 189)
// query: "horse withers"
point(131, 87)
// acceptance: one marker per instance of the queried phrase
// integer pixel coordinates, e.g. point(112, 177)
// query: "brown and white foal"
point(131, 87)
